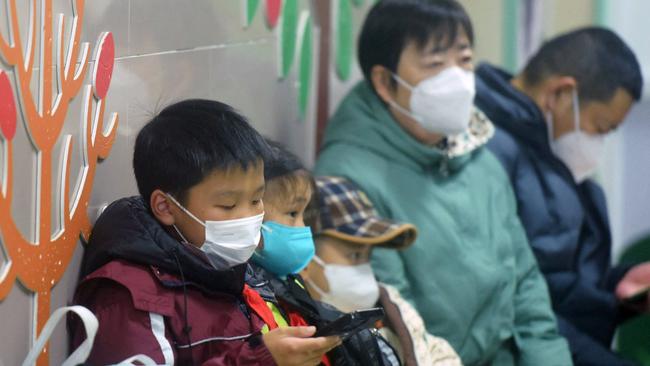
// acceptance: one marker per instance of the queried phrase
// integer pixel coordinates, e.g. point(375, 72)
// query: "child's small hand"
point(294, 346)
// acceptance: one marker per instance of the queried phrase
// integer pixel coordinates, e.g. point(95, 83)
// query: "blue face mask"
point(287, 249)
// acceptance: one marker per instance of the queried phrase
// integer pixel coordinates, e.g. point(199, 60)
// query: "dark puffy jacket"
point(567, 224)
point(152, 295)
point(366, 348)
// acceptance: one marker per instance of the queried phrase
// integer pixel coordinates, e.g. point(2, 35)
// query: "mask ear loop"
point(402, 81)
point(180, 234)
point(398, 107)
point(311, 283)
point(171, 198)
point(576, 110)
point(185, 210)
point(549, 127)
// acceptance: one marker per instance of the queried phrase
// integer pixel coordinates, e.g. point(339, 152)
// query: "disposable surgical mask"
point(227, 242)
point(350, 287)
point(287, 249)
point(442, 103)
point(579, 151)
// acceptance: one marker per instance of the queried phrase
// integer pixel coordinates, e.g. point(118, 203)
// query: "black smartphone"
point(351, 323)
point(637, 299)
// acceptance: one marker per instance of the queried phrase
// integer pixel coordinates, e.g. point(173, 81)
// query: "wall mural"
point(295, 41)
point(39, 262)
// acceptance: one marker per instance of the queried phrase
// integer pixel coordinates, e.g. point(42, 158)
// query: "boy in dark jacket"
point(164, 272)
point(551, 119)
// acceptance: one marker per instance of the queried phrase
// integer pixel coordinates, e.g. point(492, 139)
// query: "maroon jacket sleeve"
point(246, 355)
point(125, 331)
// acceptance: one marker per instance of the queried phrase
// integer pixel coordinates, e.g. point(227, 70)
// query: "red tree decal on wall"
point(39, 264)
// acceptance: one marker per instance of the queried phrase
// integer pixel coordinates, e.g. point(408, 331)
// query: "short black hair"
point(392, 24)
point(596, 57)
point(286, 170)
point(280, 161)
point(188, 141)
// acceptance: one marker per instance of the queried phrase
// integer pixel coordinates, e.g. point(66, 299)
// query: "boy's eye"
point(227, 207)
point(468, 59)
point(256, 202)
point(293, 214)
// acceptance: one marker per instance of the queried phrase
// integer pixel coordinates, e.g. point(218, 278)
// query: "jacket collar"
point(510, 109)
point(127, 230)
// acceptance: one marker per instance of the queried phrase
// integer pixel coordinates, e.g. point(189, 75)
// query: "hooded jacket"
point(566, 223)
point(471, 273)
point(155, 296)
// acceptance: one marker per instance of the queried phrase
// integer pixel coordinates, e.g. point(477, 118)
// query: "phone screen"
point(351, 323)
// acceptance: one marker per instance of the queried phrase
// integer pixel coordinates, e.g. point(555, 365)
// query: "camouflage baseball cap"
point(346, 213)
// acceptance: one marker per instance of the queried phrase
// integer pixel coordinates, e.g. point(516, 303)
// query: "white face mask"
point(443, 103)
point(579, 151)
point(351, 287)
point(228, 242)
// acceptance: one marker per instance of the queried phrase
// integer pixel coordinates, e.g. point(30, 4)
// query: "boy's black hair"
point(596, 57)
point(280, 161)
point(284, 168)
point(188, 141)
point(392, 24)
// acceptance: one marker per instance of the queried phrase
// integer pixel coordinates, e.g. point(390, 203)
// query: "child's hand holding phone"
point(291, 346)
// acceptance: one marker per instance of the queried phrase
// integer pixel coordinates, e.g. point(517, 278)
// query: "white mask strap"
point(550, 128)
point(401, 109)
point(180, 234)
point(319, 290)
point(576, 109)
point(319, 261)
point(401, 81)
point(185, 210)
point(315, 287)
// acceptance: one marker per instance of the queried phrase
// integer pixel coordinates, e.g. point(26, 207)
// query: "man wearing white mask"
point(551, 119)
point(409, 138)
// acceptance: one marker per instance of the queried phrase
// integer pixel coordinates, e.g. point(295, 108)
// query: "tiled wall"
point(166, 50)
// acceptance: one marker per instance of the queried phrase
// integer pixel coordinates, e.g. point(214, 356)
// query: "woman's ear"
point(161, 207)
point(381, 79)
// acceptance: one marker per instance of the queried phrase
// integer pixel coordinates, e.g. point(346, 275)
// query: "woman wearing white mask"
point(410, 138)
point(346, 229)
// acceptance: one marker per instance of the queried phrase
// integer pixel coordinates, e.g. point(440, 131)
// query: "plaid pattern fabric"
point(346, 209)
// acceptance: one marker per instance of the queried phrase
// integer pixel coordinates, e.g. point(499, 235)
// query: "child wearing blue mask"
point(287, 248)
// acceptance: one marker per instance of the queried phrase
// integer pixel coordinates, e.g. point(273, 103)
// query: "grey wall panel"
point(16, 318)
point(158, 80)
point(163, 25)
point(62, 295)
point(101, 16)
point(254, 89)
point(636, 188)
point(166, 50)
